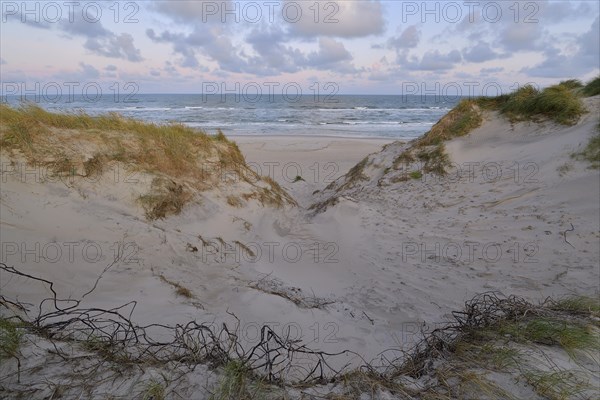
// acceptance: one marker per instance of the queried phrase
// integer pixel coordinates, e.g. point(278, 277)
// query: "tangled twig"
point(112, 333)
point(565, 235)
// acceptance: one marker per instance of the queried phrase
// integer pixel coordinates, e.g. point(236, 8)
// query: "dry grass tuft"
point(234, 201)
point(167, 198)
point(179, 289)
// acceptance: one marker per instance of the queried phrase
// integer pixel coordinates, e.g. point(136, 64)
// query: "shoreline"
point(312, 137)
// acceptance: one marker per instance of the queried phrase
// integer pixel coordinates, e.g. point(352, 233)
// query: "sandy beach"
point(319, 160)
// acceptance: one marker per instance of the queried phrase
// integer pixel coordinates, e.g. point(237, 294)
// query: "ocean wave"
point(379, 109)
point(140, 108)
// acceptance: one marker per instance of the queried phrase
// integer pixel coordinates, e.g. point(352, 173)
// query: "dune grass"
point(578, 305)
point(557, 385)
point(592, 88)
point(591, 152)
point(551, 331)
point(173, 149)
point(154, 391)
point(461, 120)
point(167, 197)
point(183, 159)
point(559, 103)
point(571, 84)
point(10, 338)
point(429, 150)
point(238, 383)
point(506, 336)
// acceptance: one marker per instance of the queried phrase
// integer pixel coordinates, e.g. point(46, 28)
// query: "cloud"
point(81, 27)
point(521, 37)
point(210, 43)
point(557, 64)
point(182, 44)
point(330, 52)
point(197, 11)
point(590, 45)
point(114, 46)
point(557, 11)
point(88, 71)
point(265, 51)
point(347, 19)
point(18, 17)
point(408, 39)
point(481, 52)
point(272, 53)
point(100, 40)
point(110, 67)
point(493, 70)
point(434, 61)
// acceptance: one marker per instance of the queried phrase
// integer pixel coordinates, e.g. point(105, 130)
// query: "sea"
point(355, 116)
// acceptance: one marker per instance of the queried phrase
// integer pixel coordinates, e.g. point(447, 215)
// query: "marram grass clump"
point(559, 103)
point(184, 159)
point(592, 88)
point(461, 120)
point(43, 137)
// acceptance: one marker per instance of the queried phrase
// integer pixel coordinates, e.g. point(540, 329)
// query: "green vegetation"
point(578, 305)
point(435, 159)
point(493, 343)
point(461, 120)
point(105, 348)
point(559, 103)
point(237, 383)
point(487, 353)
point(429, 149)
point(549, 331)
point(592, 88)
point(557, 385)
point(416, 174)
point(154, 391)
point(499, 334)
point(571, 84)
point(591, 152)
point(10, 338)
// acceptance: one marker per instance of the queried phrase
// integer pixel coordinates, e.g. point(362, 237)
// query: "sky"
point(325, 47)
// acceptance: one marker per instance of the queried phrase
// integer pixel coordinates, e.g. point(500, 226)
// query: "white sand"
point(377, 266)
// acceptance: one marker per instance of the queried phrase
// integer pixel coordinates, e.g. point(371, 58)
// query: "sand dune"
point(382, 255)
